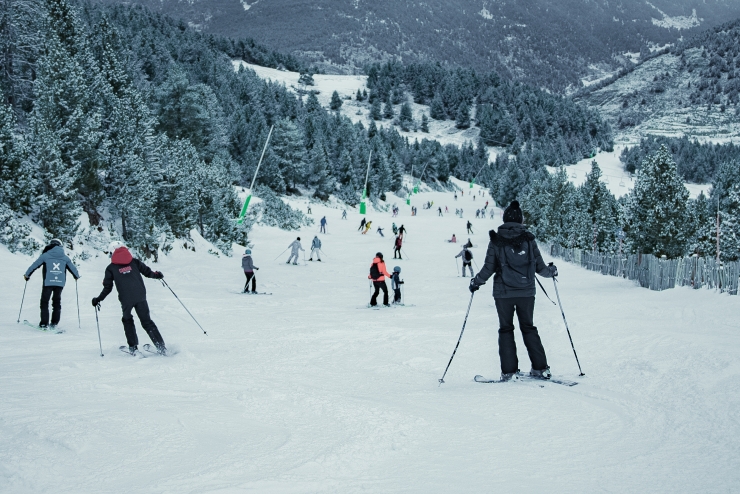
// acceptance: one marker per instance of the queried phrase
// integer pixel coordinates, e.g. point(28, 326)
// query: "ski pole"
point(97, 323)
point(457, 267)
point(404, 253)
point(441, 381)
point(554, 282)
point(476, 265)
point(283, 252)
point(77, 292)
point(183, 306)
point(22, 299)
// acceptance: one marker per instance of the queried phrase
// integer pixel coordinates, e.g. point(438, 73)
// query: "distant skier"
point(316, 247)
point(439, 211)
point(125, 271)
point(467, 260)
point(469, 244)
point(456, 196)
point(368, 225)
point(453, 240)
point(401, 231)
point(396, 283)
point(470, 228)
point(294, 248)
point(362, 224)
point(397, 247)
point(323, 225)
point(395, 229)
point(344, 214)
point(308, 209)
point(249, 268)
point(377, 274)
point(446, 210)
point(55, 266)
point(513, 257)
point(380, 231)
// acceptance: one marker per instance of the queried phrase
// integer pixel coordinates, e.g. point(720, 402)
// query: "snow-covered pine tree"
point(462, 117)
point(289, 152)
point(319, 176)
point(177, 199)
point(336, 101)
point(658, 208)
point(406, 117)
point(424, 123)
point(17, 184)
point(437, 108)
point(375, 110)
point(388, 108)
point(601, 207)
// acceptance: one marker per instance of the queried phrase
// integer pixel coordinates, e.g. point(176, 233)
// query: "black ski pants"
point(524, 308)
point(142, 310)
point(397, 251)
point(55, 294)
point(379, 285)
point(469, 265)
point(250, 276)
point(396, 295)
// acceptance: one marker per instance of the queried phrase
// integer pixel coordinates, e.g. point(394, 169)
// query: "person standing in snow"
point(344, 214)
point(397, 247)
point(513, 258)
point(401, 231)
point(396, 283)
point(362, 224)
point(394, 228)
point(308, 209)
point(294, 248)
point(470, 228)
point(249, 268)
point(55, 266)
point(377, 274)
point(467, 260)
point(125, 272)
point(323, 225)
point(439, 211)
point(315, 247)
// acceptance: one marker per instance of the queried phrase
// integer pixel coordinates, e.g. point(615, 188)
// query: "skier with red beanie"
point(125, 271)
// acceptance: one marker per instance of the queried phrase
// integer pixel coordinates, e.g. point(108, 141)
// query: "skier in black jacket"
point(513, 257)
point(125, 272)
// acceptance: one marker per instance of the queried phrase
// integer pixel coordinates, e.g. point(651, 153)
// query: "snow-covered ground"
point(306, 390)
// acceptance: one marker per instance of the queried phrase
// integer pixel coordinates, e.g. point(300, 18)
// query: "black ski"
point(523, 377)
point(257, 293)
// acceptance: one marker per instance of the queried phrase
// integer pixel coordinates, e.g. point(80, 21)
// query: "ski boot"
point(133, 349)
point(161, 350)
point(541, 374)
point(509, 376)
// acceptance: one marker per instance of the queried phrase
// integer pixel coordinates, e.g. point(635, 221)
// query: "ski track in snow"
point(302, 392)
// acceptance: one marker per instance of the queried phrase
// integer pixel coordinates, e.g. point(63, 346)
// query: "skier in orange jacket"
point(378, 272)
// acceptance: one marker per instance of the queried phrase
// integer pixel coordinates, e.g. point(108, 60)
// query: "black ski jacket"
point(126, 272)
point(512, 235)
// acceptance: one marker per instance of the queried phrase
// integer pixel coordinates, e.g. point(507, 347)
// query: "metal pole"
point(442, 380)
point(97, 323)
point(457, 267)
point(554, 282)
point(183, 306)
point(77, 292)
point(22, 299)
point(283, 252)
point(269, 134)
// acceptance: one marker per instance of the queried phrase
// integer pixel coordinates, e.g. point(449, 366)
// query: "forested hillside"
point(547, 43)
point(141, 121)
point(692, 88)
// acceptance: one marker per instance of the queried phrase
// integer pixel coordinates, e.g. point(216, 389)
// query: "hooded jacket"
point(56, 263)
point(316, 244)
point(125, 272)
point(247, 263)
point(513, 236)
point(381, 269)
point(295, 247)
point(462, 254)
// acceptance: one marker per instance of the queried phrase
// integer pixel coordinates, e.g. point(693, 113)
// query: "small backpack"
point(517, 266)
point(468, 255)
point(374, 271)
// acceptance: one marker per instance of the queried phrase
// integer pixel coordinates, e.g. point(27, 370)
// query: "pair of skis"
point(147, 348)
point(49, 329)
point(524, 377)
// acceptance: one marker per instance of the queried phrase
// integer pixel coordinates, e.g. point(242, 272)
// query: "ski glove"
point(553, 270)
point(95, 301)
point(473, 287)
point(26, 277)
point(157, 275)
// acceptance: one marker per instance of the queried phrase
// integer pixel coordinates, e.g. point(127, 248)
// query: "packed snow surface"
point(308, 391)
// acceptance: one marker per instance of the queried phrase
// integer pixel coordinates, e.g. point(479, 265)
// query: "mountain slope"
point(692, 89)
point(551, 43)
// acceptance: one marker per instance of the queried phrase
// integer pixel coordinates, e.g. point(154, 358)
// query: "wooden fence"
point(657, 273)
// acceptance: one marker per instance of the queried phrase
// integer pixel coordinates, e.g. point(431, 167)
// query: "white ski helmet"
point(115, 245)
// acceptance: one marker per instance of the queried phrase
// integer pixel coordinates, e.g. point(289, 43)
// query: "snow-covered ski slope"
point(307, 391)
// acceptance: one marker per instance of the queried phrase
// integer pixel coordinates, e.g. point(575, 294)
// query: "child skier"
point(294, 248)
point(396, 283)
point(56, 264)
point(249, 268)
point(453, 240)
point(315, 247)
point(467, 259)
point(377, 274)
point(513, 258)
point(125, 271)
